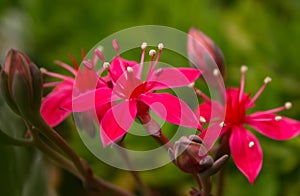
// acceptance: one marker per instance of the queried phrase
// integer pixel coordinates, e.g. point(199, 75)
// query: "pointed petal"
point(90, 100)
point(212, 133)
point(51, 108)
point(117, 67)
point(173, 77)
point(171, 109)
point(283, 129)
point(117, 121)
point(246, 152)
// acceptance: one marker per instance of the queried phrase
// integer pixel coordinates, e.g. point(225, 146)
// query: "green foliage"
point(23, 170)
point(261, 34)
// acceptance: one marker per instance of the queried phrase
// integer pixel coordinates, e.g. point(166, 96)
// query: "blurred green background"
point(263, 34)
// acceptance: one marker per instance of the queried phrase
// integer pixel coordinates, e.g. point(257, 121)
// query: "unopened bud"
point(199, 45)
point(21, 85)
point(190, 155)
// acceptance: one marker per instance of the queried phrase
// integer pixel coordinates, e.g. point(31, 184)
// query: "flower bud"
point(190, 155)
point(198, 46)
point(21, 84)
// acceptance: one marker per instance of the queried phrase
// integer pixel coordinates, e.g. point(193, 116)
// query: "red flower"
point(244, 146)
point(130, 96)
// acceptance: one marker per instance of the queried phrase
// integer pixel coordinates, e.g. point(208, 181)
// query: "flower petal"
point(282, 129)
point(51, 108)
point(246, 152)
point(173, 77)
point(117, 121)
point(118, 66)
point(205, 110)
point(90, 100)
point(171, 109)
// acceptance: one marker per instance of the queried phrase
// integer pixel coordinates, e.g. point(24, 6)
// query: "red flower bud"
point(21, 84)
point(190, 155)
point(199, 46)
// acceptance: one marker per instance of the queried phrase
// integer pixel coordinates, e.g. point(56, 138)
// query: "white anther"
point(129, 69)
point(100, 48)
point(160, 46)
point(106, 65)
point(278, 118)
point(191, 85)
point(216, 72)
point(222, 124)
point(144, 45)
point(152, 53)
point(202, 119)
point(288, 105)
point(267, 80)
point(43, 70)
point(244, 69)
point(251, 144)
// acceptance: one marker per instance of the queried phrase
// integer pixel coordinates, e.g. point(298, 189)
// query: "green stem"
point(197, 178)
point(206, 186)
point(158, 136)
point(14, 141)
point(81, 169)
point(220, 182)
point(56, 139)
point(57, 157)
point(146, 191)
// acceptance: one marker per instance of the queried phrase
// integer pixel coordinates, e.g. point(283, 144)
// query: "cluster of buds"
point(21, 85)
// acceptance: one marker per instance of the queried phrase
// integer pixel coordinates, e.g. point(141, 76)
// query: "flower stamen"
point(202, 119)
point(259, 92)
point(278, 118)
point(143, 47)
point(222, 124)
point(244, 69)
point(66, 66)
point(251, 144)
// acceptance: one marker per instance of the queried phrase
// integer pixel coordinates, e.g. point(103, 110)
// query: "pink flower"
point(244, 146)
point(52, 108)
point(127, 95)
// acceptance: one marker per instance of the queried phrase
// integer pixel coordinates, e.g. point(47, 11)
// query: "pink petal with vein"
point(246, 152)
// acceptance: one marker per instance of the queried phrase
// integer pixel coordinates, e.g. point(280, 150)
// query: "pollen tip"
point(106, 65)
point(267, 80)
point(222, 124)
point(152, 53)
point(144, 46)
point(129, 69)
point(278, 118)
point(216, 72)
point(191, 85)
point(244, 68)
point(160, 46)
point(43, 70)
point(251, 144)
point(100, 48)
point(202, 119)
point(288, 105)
